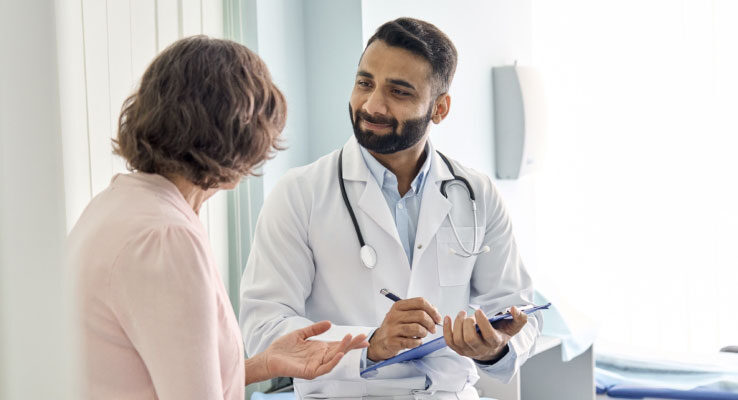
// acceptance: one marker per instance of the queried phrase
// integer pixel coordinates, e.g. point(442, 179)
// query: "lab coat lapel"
point(434, 207)
point(374, 204)
point(372, 201)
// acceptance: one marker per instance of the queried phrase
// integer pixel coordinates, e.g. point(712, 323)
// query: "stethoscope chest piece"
point(368, 256)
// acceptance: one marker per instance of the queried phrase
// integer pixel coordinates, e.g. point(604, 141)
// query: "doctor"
point(389, 211)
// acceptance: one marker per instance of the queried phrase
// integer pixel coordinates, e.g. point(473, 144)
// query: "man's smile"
point(374, 127)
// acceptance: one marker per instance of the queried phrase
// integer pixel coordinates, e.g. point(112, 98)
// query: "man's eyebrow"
point(400, 82)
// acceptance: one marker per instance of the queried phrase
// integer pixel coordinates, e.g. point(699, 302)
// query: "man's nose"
point(375, 104)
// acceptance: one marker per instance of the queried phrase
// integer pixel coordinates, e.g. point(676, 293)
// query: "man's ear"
point(441, 108)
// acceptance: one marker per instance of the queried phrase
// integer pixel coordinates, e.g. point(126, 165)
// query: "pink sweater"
point(156, 319)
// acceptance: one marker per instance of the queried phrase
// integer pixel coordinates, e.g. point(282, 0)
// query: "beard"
point(410, 134)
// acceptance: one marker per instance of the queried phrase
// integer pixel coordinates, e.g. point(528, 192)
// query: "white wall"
point(104, 48)
point(311, 49)
point(334, 44)
point(280, 31)
point(38, 357)
point(636, 199)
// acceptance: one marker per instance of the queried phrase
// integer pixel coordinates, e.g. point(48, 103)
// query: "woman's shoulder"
point(124, 223)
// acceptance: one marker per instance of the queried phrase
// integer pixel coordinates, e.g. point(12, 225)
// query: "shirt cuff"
point(504, 352)
point(365, 361)
point(506, 363)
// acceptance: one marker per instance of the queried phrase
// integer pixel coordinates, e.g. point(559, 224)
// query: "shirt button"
point(400, 206)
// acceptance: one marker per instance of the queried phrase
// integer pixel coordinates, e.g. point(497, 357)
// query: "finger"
point(412, 331)
point(313, 330)
point(459, 332)
point(359, 342)
point(337, 347)
point(471, 338)
point(489, 334)
point(324, 368)
point(448, 335)
point(512, 327)
point(398, 343)
point(419, 303)
point(419, 317)
point(406, 343)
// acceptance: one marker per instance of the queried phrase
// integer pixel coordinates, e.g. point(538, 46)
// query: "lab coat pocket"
point(454, 268)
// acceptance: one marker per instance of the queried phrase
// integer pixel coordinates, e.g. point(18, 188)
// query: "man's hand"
point(462, 336)
point(406, 323)
point(293, 355)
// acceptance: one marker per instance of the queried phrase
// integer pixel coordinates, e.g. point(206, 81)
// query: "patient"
point(156, 318)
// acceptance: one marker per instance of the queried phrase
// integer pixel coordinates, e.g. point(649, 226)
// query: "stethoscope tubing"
point(368, 254)
point(346, 200)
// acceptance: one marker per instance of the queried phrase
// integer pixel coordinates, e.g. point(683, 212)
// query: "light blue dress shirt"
point(405, 209)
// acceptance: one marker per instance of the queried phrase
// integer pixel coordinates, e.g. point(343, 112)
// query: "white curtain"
point(104, 49)
point(636, 220)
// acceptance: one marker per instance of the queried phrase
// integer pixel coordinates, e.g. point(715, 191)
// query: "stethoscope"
point(369, 255)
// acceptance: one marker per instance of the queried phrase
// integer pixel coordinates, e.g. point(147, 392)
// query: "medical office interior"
point(622, 192)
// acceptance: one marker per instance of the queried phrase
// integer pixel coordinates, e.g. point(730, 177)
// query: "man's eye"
point(363, 83)
point(400, 92)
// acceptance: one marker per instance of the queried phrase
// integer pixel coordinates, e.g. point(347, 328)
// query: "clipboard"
point(438, 343)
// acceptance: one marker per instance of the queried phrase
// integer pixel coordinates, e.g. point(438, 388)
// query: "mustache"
point(376, 119)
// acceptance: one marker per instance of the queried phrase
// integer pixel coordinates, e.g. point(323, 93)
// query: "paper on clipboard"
point(438, 343)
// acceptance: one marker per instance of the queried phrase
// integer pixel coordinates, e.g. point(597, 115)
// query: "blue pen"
point(386, 293)
point(390, 295)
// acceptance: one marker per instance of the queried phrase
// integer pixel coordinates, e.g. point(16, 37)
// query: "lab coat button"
point(420, 246)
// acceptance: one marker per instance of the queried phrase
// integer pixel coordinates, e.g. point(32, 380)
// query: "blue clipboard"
point(438, 343)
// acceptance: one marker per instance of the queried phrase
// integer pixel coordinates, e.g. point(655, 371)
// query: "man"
point(372, 215)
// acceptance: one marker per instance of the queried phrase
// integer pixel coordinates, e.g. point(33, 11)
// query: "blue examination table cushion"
point(638, 392)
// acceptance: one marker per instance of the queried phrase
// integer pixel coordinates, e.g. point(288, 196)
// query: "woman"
point(157, 321)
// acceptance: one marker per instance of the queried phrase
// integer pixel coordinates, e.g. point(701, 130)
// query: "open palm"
point(294, 355)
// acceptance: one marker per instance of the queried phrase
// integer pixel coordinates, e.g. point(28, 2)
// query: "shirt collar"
point(384, 176)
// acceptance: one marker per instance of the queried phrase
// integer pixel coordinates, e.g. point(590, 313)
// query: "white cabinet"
point(545, 377)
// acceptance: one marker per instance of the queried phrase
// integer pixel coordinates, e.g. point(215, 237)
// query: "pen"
point(389, 295)
point(386, 293)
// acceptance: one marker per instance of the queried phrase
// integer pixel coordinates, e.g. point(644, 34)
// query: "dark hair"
point(425, 40)
point(206, 109)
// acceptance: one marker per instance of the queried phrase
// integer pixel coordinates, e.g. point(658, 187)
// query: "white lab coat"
point(304, 266)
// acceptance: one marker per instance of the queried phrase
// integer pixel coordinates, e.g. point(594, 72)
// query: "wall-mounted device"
point(519, 120)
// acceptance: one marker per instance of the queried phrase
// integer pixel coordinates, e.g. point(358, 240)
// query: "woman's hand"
point(293, 355)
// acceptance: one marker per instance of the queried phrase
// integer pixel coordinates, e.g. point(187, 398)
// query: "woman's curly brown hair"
point(207, 110)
